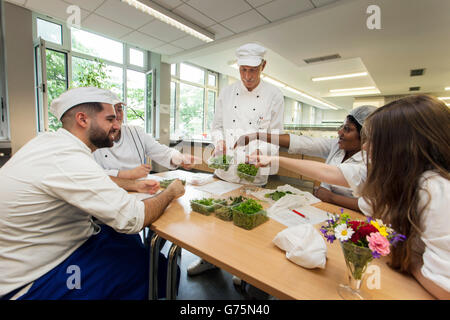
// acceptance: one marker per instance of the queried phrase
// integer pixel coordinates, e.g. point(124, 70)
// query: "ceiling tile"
point(219, 31)
point(18, 2)
point(321, 3)
point(123, 13)
point(167, 49)
point(168, 4)
point(53, 8)
point(280, 9)
point(257, 3)
point(104, 26)
point(220, 10)
point(246, 21)
point(162, 31)
point(188, 42)
point(142, 40)
point(90, 5)
point(192, 15)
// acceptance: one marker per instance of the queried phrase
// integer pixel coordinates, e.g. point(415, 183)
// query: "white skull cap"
point(361, 113)
point(76, 96)
point(250, 54)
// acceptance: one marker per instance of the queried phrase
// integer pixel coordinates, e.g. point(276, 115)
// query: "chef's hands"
point(147, 186)
point(260, 160)
point(323, 194)
point(176, 188)
point(245, 139)
point(221, 148)
point(186, 161)
point(136, 173)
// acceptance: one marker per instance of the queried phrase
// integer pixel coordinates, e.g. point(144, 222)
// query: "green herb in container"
point(220, 162)
point(205, 206)
point(225, 210)
point(249, 214)
point(247, 171)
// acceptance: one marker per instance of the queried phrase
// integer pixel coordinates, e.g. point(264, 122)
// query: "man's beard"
point(99, 137)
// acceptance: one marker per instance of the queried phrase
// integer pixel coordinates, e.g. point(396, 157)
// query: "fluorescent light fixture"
point(447, 88)
point(341, 76)
point(444, 98)
point(274, 82)
point(310, 97)
point(352, 89)
point(166, 19)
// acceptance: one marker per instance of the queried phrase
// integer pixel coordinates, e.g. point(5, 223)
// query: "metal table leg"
point(153, 270)
point(171, 289)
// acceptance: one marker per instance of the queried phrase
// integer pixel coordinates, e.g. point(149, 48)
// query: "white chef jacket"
point(238, 112)
point(434, 225)
point(328, 149)
point(48, 192)
point(130, 151)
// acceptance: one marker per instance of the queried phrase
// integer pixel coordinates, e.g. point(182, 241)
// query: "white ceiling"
point(414, 34)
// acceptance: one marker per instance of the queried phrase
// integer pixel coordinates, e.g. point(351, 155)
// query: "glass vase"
point(357, 259)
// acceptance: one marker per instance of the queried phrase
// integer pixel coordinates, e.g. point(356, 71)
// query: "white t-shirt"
point(238, 112)
point(49, 191)
point(130, 151)
point(328, 149)
point(434, 225)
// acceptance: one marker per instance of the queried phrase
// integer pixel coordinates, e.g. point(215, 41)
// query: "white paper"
point(219, 187)
point(302, 197)
point(199, 179)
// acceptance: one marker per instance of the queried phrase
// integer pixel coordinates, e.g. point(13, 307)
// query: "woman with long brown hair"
point(407, 183)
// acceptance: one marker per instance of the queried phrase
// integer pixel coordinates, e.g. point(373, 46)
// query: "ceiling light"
point(342, 76)
point(274, 82)
point(310, 97)
point(204, 36)
point(447, 88)
point(352, 89)
point(444, 98)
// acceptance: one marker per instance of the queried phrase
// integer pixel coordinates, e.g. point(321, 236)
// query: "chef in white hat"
point(50, 190)
point(249, 105)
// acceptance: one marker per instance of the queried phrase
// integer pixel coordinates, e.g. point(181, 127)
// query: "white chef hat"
point(76, 96)
point(250, 54)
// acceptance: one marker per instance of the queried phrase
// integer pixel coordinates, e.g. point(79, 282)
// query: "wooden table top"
point(252, 256)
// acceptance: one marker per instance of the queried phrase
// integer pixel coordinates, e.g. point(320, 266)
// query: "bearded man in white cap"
point(50, 247)
point(249, 105)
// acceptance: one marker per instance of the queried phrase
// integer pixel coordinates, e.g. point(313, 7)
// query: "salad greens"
point(206, 206)
point(220, 162)
point(277, 195)
point(247, 171)
point(165, 183)
point(249, 214)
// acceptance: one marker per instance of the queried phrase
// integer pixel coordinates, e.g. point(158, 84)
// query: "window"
point(136, 57)
point(83, 59)
point(49, 31)
point(192, 103)
point(135, 109)
point(97, 46)
point(56, 81)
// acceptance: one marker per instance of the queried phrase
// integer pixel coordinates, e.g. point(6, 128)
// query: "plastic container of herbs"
point(224, 211)
point(249, 214)
point(247, 172)
point(205, 206)
point(220, 162)
point(165, 183)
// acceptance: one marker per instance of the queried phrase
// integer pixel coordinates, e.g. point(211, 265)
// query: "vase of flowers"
point(361, 242)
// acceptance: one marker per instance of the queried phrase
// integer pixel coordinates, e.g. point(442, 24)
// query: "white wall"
point(20, 74)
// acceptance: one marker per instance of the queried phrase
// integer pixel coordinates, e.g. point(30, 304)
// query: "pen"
point(300, 214)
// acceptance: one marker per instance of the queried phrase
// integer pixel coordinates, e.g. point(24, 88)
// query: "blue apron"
point(109, 265)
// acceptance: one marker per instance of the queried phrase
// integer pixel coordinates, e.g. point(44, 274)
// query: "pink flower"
point(378, 243)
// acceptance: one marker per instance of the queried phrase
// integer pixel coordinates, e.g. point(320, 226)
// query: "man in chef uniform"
point(249, 105)
point(50, 190)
